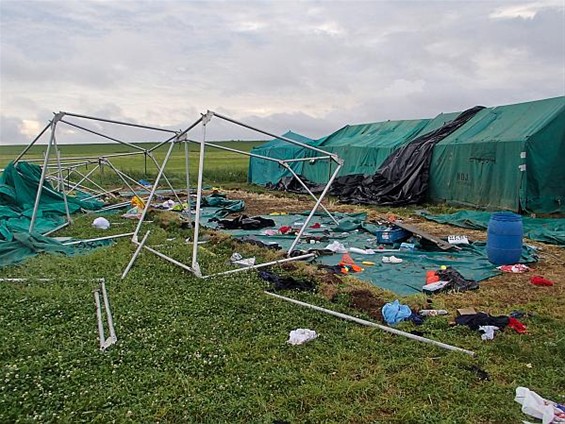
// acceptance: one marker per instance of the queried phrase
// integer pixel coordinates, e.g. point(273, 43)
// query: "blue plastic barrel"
point(504, 238)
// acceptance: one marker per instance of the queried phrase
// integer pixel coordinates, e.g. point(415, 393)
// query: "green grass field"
point(220, 166)
point(215, 351)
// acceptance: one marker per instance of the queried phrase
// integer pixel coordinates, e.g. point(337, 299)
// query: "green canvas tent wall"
point(263, 171)
point(364, 147)
point(508, 157)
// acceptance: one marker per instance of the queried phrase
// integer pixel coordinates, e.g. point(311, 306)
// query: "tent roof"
point(509, 123)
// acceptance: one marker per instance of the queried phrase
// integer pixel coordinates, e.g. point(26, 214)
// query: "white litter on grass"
point(488, 331)
point(536, 406)
point(101, 223)
point(300, 336)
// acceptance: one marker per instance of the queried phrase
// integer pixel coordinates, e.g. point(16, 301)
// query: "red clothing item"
point(517, 326)
point(540, 281)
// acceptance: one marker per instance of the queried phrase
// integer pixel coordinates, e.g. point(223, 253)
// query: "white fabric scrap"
point(300, 336)
point(101, 223)
point(336, 247)
point(538, 407)
point(488, 331)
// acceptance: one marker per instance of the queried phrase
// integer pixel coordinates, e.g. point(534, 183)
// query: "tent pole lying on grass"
point(56, 229)
point(247, 268)
point(134, 257)
point(372, 324)
point(97, 239)
point(104, 342)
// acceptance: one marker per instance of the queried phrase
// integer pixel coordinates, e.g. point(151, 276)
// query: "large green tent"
point(508, 157)
point(505, 157)
point(262, 171)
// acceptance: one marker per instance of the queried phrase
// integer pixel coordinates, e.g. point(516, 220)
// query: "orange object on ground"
point(431, 277)
point(348, 262)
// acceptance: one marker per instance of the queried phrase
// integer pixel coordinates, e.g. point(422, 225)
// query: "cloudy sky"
point(309, 66)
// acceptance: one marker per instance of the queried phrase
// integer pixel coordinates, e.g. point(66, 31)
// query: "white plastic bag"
point(300, 336)
point(101, 223)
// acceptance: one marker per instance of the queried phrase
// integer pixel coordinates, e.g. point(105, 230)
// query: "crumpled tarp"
point(547, 230)
point(18, 188)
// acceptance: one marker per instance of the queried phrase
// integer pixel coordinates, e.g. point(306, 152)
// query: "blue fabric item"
point(394, 312)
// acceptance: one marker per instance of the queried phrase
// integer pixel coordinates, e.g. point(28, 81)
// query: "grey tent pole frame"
point(309, 191)
point(113, 168)
point(95, 158)
point(136, 253)
point(186, 170)
point(195, 267)
point(280, 162)
point(165, 176)
point(372, 324)
point(333, 157)
point(42, 178)
point(111, 121)
point(60, 170)
point(125, 143)
point(83, 178)
point(314, 209)
point(29, 146)
point(153, 190)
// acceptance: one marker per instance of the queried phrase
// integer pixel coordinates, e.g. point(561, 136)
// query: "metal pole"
point(372, 324)
point(165, 257)
point(125, 143)
point(186, 167)
point(313, 211)
point(134, 257)
point(279, 261)
point(42, 178)
point(56, 229)
point(195, 267)
point(178, 135)
point(99, 318)
point(97, 239)
point(61, 179)
point(308, 190)
point(119, 175)
point(334, 157)
point(32, 143)
point(83, 178)
point(166, 179)
point(113, 337)
point(153, 189)
point(128, 124)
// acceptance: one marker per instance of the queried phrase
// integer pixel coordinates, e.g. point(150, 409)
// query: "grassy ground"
point(215, 350)
point(221, 166)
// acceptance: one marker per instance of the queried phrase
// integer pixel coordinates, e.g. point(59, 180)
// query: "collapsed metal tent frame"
point(182, 137)
point(59, 170)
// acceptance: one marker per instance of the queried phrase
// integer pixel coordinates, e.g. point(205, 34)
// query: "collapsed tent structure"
point(505, 157)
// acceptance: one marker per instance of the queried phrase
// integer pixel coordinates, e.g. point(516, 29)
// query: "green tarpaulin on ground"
point(18, 188)
point(548, 230)
point(405, 278)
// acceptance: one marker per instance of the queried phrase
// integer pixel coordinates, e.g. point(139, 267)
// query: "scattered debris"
point(515, 269)
point(395, 312)
point(541, 281)
point(301, 336)
point(536, 406)
point(101, 223)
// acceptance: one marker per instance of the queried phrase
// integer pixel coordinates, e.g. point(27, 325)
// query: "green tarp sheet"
point(548, 230)
point(405, 278)
point(18, 187)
